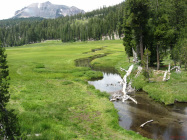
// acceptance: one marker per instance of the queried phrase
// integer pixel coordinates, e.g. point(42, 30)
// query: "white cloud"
point(8, 7)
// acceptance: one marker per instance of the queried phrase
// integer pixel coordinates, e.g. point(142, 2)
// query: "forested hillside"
point(158, 26)
point(89, 26)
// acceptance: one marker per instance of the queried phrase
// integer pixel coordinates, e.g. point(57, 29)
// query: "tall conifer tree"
point(8, 121)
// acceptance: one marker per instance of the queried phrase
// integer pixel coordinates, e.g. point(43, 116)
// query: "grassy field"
point(167, 92)
point(51, 95)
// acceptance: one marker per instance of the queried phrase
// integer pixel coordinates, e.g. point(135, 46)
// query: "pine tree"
point(9, 128)
point(139, 15)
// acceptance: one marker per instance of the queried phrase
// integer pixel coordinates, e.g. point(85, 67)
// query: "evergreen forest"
point(159, 26)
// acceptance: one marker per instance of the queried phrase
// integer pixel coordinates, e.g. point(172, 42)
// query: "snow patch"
point(39, 5)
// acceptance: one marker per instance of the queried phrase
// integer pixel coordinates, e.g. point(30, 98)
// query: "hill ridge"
point(46, 10)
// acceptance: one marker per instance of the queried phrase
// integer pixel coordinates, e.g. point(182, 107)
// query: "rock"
point(46, 10)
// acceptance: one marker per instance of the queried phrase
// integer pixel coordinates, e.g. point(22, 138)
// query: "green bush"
point(139, 82)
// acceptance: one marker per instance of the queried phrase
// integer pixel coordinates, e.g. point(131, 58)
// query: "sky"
point(9, 7)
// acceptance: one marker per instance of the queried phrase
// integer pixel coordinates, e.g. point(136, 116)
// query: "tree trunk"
point(141, 46)
point(147, 62)
point(138, 50)
point(158, 59)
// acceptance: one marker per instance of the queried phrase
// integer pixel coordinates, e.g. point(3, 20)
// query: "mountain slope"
point(46, 10)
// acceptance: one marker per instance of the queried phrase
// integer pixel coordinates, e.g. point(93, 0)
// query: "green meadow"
point(51, 96)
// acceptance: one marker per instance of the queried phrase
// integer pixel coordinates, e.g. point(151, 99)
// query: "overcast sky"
point(8, 7)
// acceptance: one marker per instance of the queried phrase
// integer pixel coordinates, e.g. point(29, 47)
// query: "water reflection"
point(170, 122)
point(109, 83)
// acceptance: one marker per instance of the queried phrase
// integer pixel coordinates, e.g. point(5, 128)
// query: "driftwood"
point(178, 69)
point(126, 97)
point(142, 125)
point(37, 135)
point(116, 96)
point(126, 87)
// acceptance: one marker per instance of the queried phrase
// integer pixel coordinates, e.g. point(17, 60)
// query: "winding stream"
point(170, 122)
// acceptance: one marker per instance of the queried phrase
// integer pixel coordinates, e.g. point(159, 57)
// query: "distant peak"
point(46, 10)
point(48, 2)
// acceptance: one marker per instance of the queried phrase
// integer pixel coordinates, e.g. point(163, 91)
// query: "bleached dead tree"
point(169, 68)
point(178, 69)
point(126, 87)
point(135, 56)
point(167, 72)
point(139, 71)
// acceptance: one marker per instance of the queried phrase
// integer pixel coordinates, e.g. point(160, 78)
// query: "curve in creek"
point(170, 122)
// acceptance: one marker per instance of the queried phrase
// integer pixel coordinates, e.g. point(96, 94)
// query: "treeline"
point(89, 26)
point(158, 26)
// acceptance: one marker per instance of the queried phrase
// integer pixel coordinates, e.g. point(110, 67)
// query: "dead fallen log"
point(178, 69)
point(142, 125)
point(123, 98)
point(132, 99)
point(116, 96)
point(126, 97)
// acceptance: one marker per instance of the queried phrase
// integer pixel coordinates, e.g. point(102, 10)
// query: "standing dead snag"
point(167, 72)
point(169, 67)
point(135, 56)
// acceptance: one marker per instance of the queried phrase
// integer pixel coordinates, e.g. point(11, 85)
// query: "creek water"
point(170, 122)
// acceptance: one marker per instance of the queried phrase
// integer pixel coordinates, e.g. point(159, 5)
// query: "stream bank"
point(170, 122)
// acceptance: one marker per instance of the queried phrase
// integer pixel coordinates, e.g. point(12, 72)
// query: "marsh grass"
point(175, 89)
point(52, 97)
